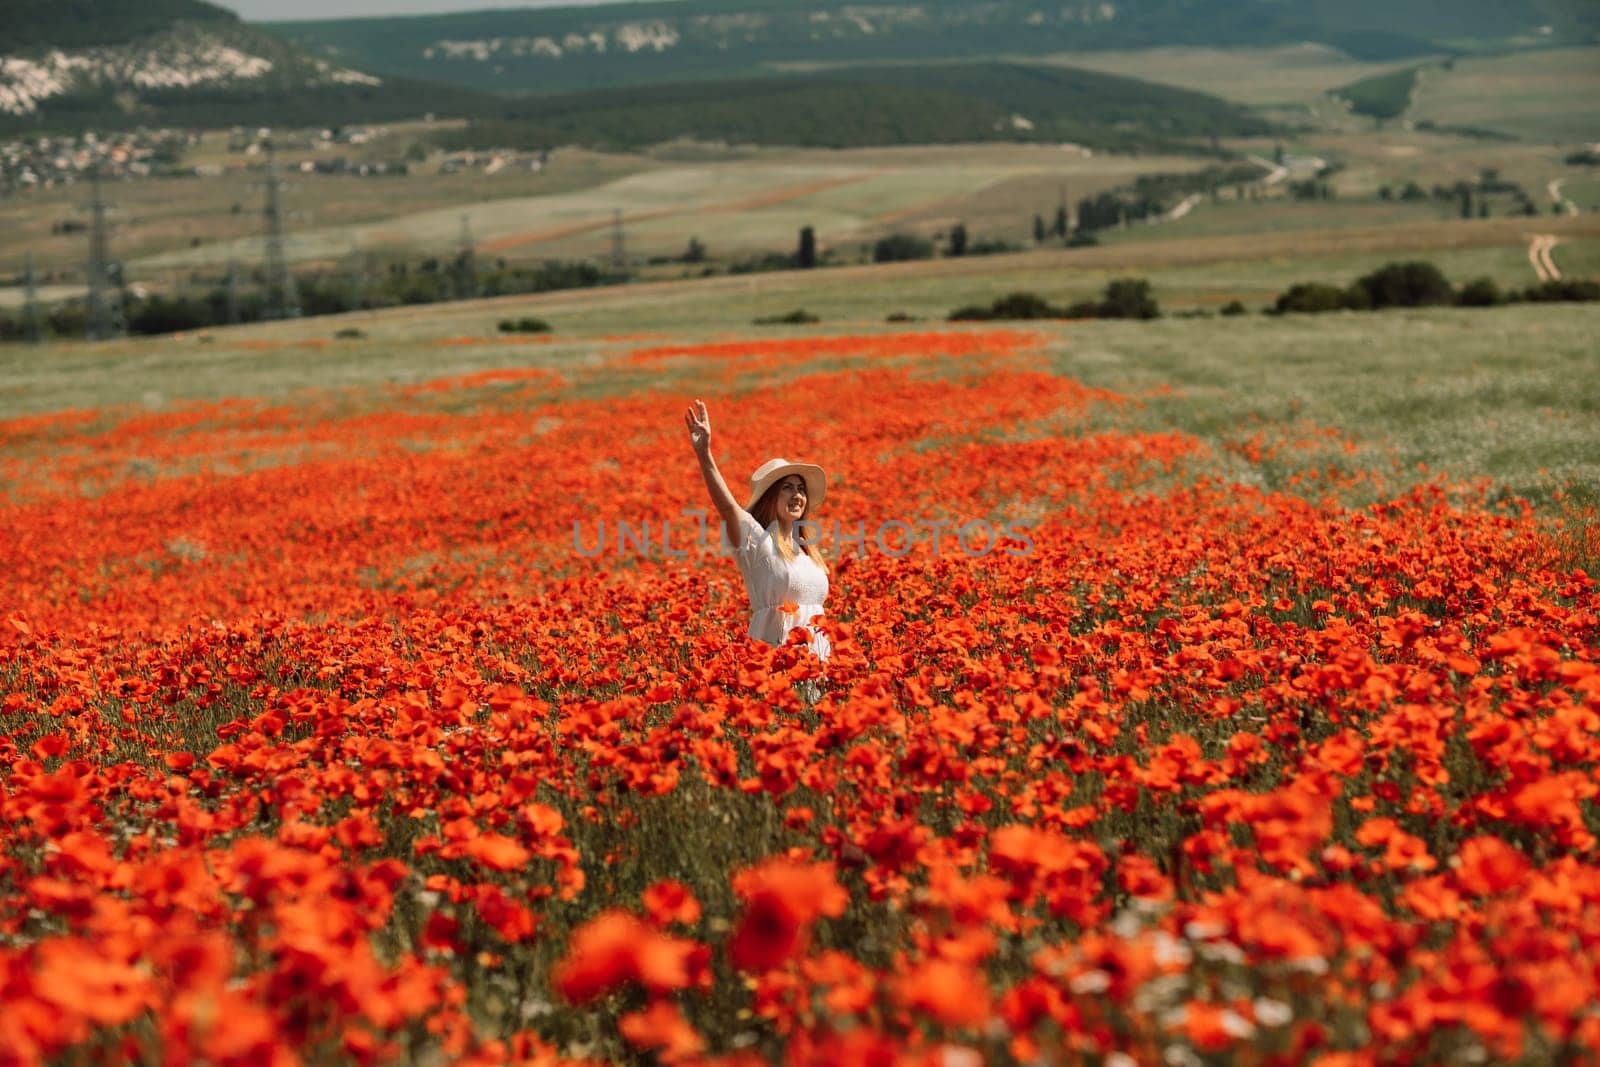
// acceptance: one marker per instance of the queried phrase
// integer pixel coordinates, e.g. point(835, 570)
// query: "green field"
point(737, 203)
point(1577, 259)
point(1394, 156)
point(194, 219)
point(741, 205)
point(1545, 95)
point(1584, 192)
point(1228, 216)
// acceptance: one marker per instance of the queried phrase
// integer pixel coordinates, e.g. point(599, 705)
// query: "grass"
point(1512, 394)
point(1541, 95)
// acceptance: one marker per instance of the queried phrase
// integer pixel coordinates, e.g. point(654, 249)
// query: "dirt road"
point(1539, 255)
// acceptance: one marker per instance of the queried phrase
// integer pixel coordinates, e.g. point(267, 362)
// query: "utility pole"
point(282, 301)
point(105, 313)
point(619, 252)
point(30, 315)
point(466, 262)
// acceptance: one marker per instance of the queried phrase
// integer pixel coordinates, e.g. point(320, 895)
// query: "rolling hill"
point(553, 50)
point(103, 64)
point(928, 103)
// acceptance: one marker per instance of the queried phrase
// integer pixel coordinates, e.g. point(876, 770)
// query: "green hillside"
point(922, 104)
point(553, 50)
point(1384, 96)
point(31, 24)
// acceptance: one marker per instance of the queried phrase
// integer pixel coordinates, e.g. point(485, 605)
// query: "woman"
point(786, 581)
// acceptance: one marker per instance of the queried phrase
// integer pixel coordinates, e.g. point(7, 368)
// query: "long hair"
point(766, 510)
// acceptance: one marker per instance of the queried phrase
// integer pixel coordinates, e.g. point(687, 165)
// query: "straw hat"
point(774, 470)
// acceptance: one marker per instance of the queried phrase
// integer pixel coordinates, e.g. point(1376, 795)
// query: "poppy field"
point(331, 735)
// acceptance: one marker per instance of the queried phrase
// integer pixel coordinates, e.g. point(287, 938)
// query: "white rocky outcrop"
point(176, 60)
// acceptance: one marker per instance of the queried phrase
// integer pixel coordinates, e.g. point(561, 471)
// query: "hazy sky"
point(273, 10)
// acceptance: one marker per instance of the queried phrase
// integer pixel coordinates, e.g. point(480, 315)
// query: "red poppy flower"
point(614, 949)
point(782, 899)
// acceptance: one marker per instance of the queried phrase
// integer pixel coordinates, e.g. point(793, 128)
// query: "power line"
point(105, 312)
point(282, 300)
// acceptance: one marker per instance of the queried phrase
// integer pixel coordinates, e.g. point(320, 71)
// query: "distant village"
point(46, 162)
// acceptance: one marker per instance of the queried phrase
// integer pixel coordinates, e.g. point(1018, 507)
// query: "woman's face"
point(792, 497)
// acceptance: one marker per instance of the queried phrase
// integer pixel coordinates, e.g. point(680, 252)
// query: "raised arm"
point(699, 424)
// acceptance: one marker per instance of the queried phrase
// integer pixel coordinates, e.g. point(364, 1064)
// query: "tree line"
point(432, 280)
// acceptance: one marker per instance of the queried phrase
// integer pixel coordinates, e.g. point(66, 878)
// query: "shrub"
point(1417, 283)
point(524, 325)
point(991, 246)
point(1567, 289)
point(797, 317)
point(901, 246)
point(350, 333)
point(766, 261)
point(1082, 239)
point(1357, 299)
point(1125, 298)
point(1128, 298)
point(1480, 293)
point(1022, 305)
point(1232, 307)
point(1019, 305)
point(167, 314)
point(1311, 298)
point(899, 316)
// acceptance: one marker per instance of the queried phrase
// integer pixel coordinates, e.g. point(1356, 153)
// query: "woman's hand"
point(699, 424)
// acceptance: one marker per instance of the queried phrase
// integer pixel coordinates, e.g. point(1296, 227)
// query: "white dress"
point(770, 580)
